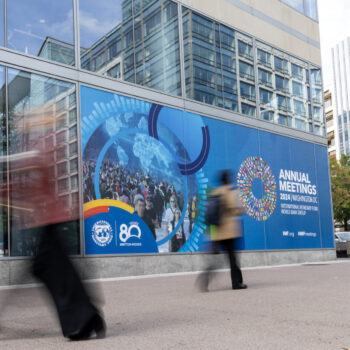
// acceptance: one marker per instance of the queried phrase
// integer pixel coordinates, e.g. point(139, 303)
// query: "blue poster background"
point(129, 144)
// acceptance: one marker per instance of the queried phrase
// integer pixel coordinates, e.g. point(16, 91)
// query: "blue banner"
point(148, 170)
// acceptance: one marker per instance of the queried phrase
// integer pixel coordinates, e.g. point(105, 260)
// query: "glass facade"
point(42, 28)
point(3, 166)
point(307, 7)
point(45, 104)
point(210, 61)
point(138, 41)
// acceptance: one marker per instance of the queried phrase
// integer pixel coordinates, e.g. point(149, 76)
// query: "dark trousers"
point(52, 266)
point(229, 246)
point(236, 274)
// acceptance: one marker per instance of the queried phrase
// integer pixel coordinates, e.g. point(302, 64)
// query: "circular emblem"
point(102, 233)
point(258, 208)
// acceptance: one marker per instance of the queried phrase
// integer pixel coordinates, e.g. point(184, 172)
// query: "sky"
point(334, 27)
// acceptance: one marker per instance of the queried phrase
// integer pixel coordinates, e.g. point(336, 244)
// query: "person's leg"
point(236, 274)
point(52, 266)
point(203, 278)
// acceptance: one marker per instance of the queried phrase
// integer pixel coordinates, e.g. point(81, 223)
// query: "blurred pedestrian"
point(228, 229)
point(32, 181)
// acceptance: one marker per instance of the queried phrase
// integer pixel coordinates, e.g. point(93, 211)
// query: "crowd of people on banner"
point(157, 202)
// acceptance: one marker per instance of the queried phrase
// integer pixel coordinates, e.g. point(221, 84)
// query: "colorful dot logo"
point(253, 168)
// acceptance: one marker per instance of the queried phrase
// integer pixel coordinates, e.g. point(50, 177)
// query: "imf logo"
point(102, 233)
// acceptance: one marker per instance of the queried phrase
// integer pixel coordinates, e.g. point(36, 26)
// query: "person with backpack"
point(224, 206)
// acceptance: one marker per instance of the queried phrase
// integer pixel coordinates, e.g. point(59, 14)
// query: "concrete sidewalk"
point(303, 307)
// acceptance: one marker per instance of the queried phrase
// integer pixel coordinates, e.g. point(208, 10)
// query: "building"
point(330, 123)
point(156, 96)
point(341, 107)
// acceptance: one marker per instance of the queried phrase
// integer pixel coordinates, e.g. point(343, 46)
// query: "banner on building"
point(148, 170)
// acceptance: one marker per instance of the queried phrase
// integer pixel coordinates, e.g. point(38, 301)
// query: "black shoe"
point(240, 286)
point(95, 325)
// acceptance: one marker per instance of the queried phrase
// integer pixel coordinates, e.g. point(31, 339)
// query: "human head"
point(173, 201)
point(140, 207)
point(225, 177)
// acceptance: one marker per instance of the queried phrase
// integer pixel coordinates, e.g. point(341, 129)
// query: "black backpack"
point(213, 213)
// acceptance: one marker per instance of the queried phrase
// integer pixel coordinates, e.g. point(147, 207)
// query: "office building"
point(330, 123)
point(152, 98)
point(341, 95)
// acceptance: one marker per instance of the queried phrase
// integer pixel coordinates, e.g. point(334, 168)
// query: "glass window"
point(264, 58)
point(284, 120)
point(246, 70)
point(283, 103)
point(265, 77)
point(62, 169)
point(300, 124)
point(73, 149)
point(297, 71)
point(63, 185)
point(281, 65)
point(74, 182)
point(317, 95)
point(248, 109)
point(73, 133)
point(247, 91)
point(319, 130)
point(61, 153)
point(266, 114)
point(299, 107)
point(245, 50)
point(61, 122)
point(296, 4)
point(228, 63)
point(72, 100)
point(72, 116)
point(42, 28)
point(227, 38)
point(114, 72)
point(266, 97)
point(298, 89)
point(136, 41)
point(316, 77)
point(318, 114)
point(311, 9)
point(73, 166)
point(202, 27)
point(33, 118)
point(282, 83)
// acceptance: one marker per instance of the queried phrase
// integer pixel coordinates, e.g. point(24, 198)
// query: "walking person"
point(32, 181)
point(227, 230)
